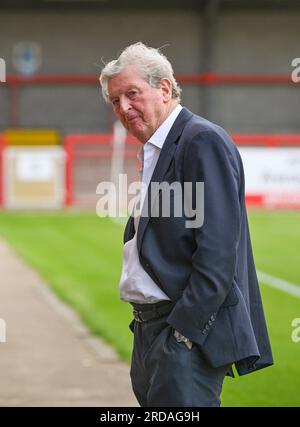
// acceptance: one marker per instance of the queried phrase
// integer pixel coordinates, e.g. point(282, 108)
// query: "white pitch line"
point(280, 284)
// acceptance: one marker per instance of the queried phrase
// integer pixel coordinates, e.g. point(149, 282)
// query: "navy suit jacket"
point(208, 272)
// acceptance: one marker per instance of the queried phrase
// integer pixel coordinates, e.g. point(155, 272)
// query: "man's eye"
point(115, 102)
point(132, 93)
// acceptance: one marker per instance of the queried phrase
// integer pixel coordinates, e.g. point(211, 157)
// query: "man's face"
point(140, 107)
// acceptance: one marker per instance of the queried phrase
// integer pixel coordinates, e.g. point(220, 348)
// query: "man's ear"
point(166, 87)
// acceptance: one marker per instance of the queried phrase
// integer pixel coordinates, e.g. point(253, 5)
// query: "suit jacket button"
point(213, 316)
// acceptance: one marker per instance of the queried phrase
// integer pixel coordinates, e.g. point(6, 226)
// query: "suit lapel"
point(129, 230)
point(164, 160)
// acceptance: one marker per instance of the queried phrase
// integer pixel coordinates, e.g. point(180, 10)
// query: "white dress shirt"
point(135, 284)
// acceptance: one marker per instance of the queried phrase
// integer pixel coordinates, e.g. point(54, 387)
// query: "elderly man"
point(194, 291)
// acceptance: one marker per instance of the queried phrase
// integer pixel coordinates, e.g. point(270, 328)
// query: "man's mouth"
point(133, 120)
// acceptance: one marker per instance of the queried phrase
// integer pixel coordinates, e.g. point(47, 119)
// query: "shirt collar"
point(160, 135)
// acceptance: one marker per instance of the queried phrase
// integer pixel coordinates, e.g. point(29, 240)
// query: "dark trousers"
point(167, 373)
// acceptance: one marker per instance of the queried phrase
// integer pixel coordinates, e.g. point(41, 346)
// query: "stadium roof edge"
point(114, 5)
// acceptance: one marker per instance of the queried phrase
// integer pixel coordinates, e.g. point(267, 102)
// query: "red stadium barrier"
point(99, 146)
point(206, 79)
point(88, 154)
point(83, 146)
point(276, 140)
point(87, 148)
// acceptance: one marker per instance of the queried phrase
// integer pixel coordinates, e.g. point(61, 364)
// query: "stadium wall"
point(247, 42)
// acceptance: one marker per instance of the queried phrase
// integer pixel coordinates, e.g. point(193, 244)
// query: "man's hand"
point(181, 338)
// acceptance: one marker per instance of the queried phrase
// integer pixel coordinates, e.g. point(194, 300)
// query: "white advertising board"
point(34, 177)
point(272, 175)
point(34, 166)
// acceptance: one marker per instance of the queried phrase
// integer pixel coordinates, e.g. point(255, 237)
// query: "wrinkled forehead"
point(128, 78)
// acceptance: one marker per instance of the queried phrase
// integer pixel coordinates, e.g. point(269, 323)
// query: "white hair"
point(150, 62)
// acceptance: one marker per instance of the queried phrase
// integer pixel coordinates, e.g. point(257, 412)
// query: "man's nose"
point(124, 104)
